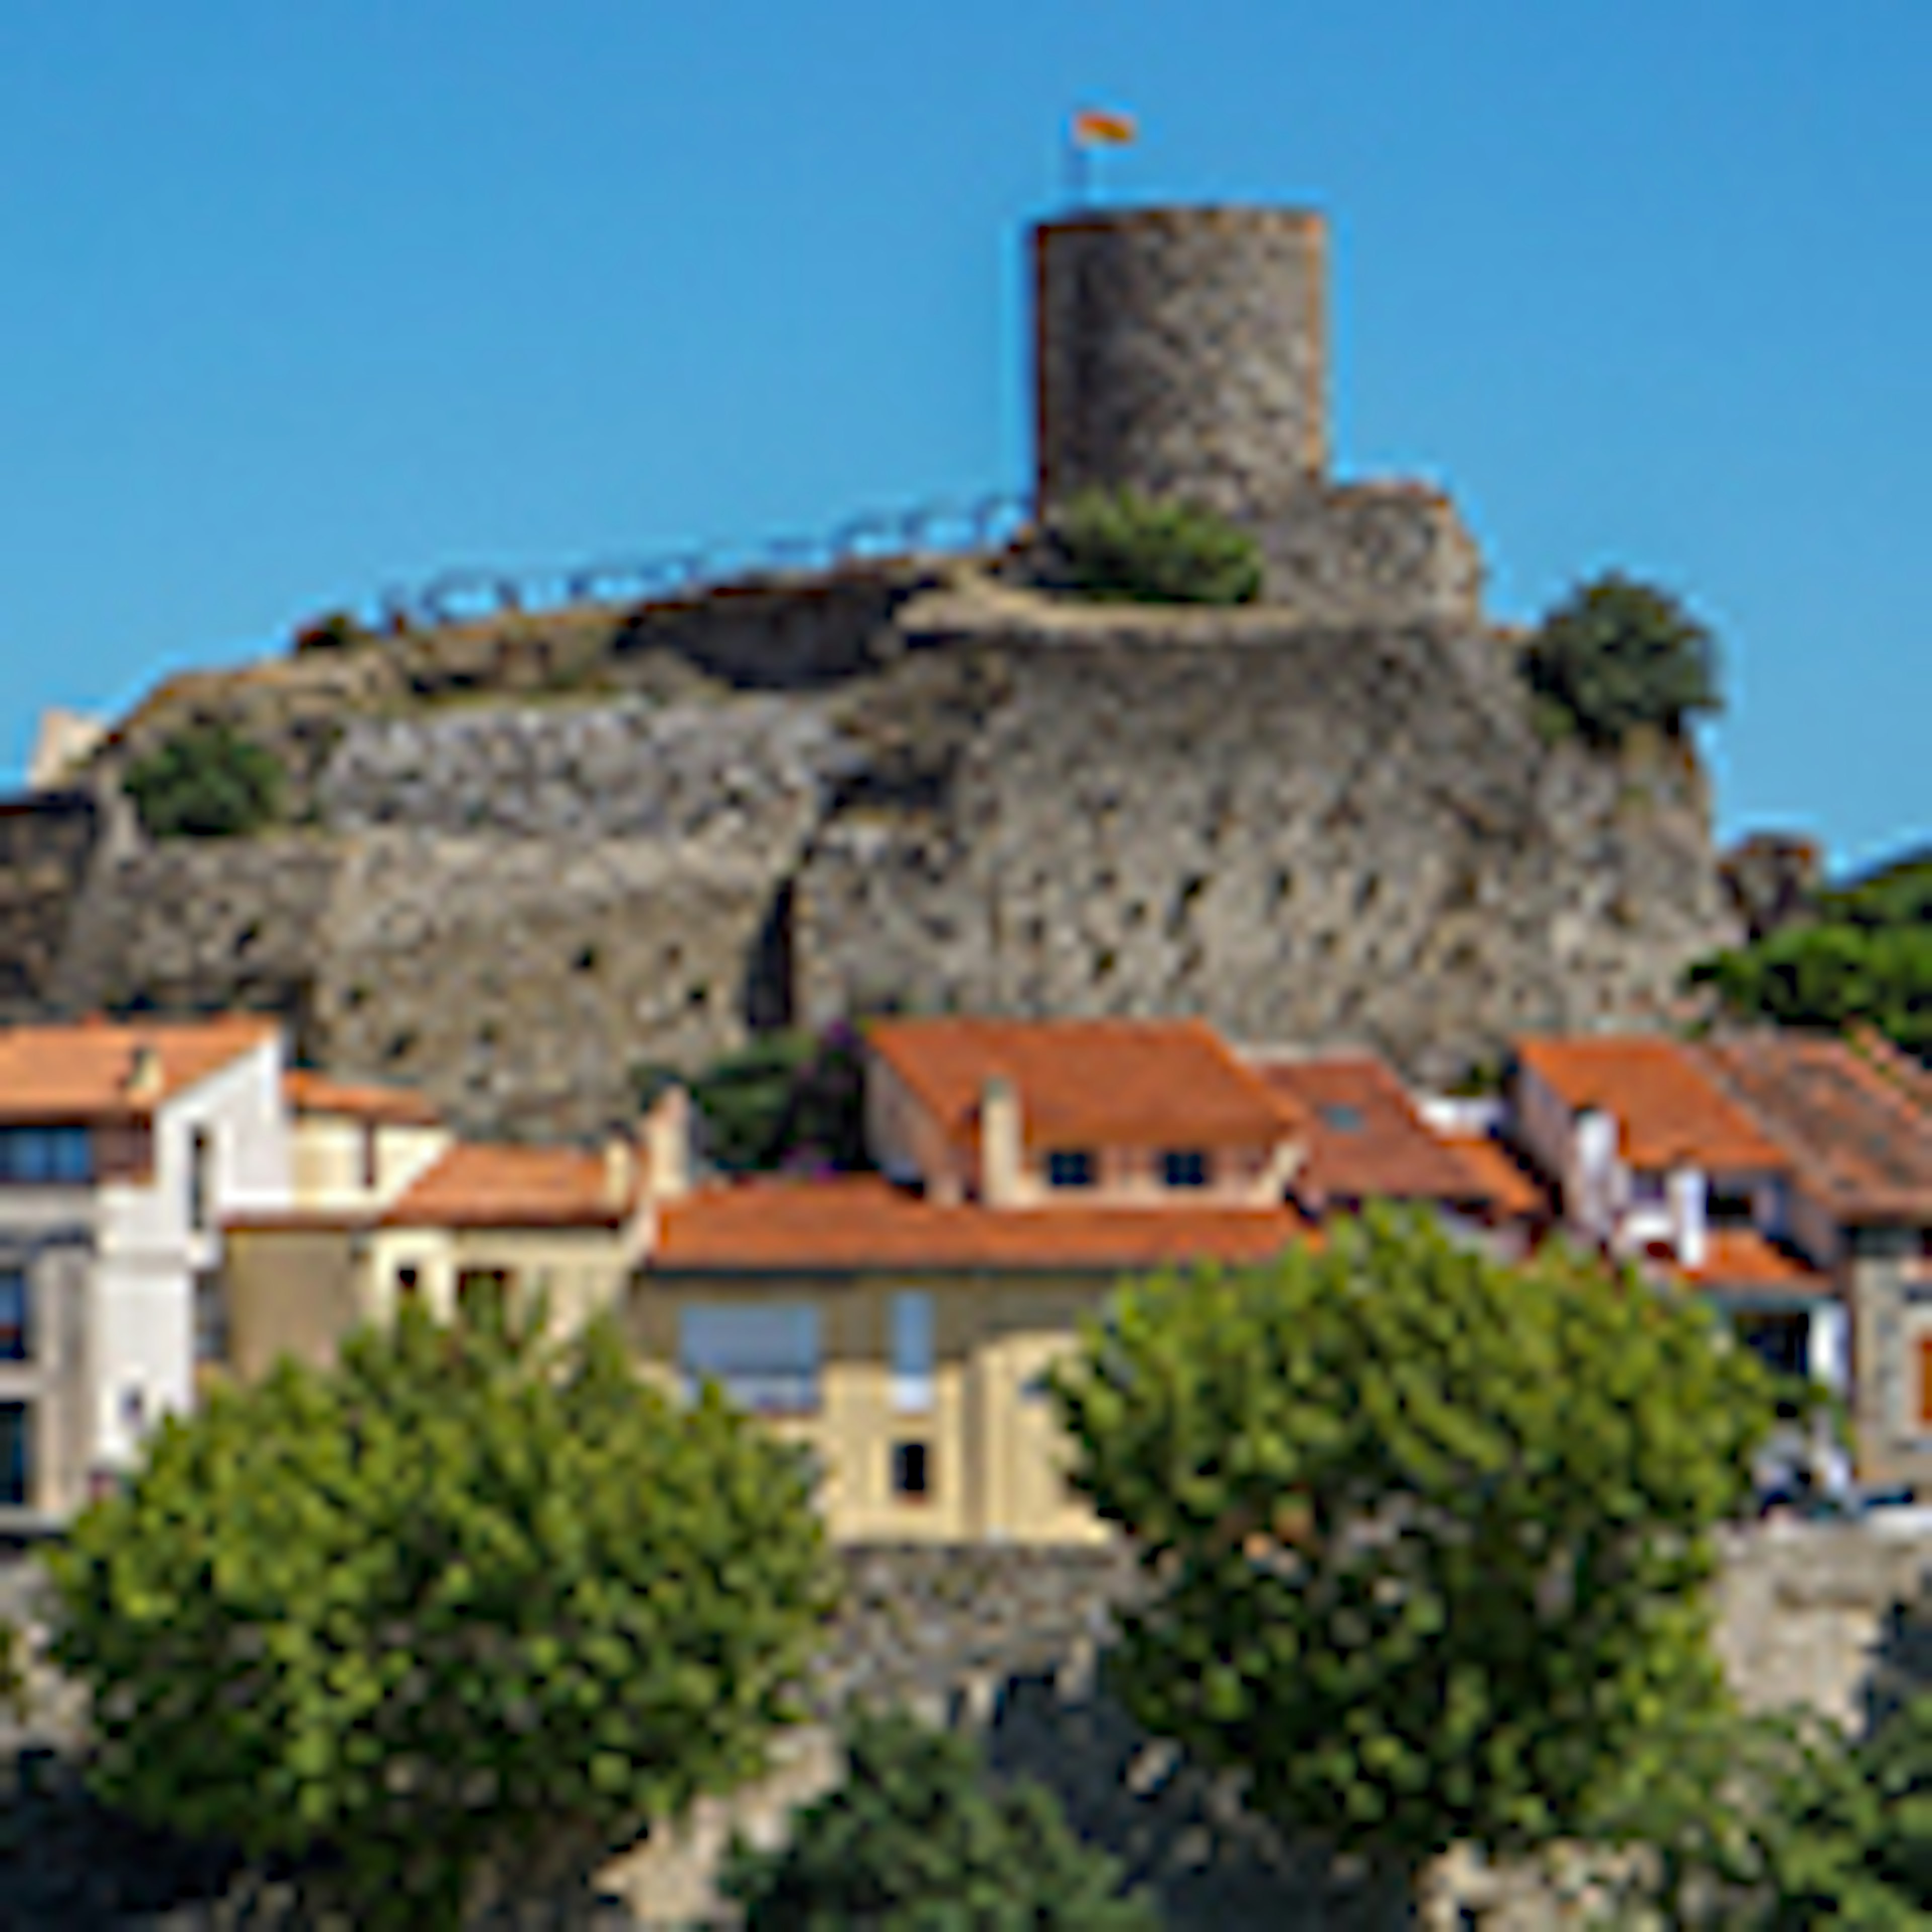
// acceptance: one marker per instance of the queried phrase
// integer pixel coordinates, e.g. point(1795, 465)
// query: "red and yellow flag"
point(1093, 127)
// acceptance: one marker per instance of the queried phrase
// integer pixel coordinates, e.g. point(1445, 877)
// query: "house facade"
point(124, 1150)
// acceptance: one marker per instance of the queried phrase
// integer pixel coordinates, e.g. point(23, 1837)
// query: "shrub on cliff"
point(1121, 546)
point(1427, 1538)
point(333, 631)
point(1864, 958)
point(468, 1604)
point(1617, 655)
point(206, 781)
point(917, 1836)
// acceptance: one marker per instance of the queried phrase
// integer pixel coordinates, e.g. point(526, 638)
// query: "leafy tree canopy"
point(917, 1839)
point(1617, 655)
point(1123, 546)
point(1864, 959)
point(1428, 1535)
point(206, 781)
point(467, 1597)
point(788, 1099)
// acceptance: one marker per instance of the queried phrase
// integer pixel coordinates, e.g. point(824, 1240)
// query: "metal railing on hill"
point(947, 527)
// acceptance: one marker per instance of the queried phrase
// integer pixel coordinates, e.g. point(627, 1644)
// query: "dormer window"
point(1184, 1167)
point(1070, 1167)
point(1341, 1118)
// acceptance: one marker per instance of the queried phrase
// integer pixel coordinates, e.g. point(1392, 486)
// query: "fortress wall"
point(47, 843)
point(1303, 835)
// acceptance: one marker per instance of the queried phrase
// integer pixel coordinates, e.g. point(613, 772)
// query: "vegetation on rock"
point(917, 1838)
point(468, 1599)
point(1864, 958)
point(206, 781)
point(792, 1100)
point(1617, 656)
point(1427, 1536)
point(333, 631)
point(1121, 546)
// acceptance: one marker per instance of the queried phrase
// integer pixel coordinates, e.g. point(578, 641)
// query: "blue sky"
point(301, 300)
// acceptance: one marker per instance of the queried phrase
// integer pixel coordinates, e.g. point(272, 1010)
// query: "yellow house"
point(389, 1205)
point(898, 1324)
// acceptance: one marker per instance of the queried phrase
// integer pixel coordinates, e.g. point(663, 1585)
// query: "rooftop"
point(309, 1092)
point(101, 1069)
point(1086, 1083)
point(861, 1222)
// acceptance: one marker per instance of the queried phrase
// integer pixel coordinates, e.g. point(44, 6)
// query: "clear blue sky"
point(301, 299)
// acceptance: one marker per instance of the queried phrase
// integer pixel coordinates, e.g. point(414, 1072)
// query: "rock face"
point(902, 793)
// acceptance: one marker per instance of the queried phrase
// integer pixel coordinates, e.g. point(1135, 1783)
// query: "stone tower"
point(1181, 351)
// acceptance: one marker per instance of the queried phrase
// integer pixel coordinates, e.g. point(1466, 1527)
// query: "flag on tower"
point(1095, 127)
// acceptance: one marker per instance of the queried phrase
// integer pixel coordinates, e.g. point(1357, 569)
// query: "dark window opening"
point(200, 1163)
point(1070, 1167)
point(408, 1283)
point(912, 1472)
point(210, 1318)
point(370, 1148)
point(1184, 1167)
point(1730, 1207)
point(16, 1454)
point(16, 1334)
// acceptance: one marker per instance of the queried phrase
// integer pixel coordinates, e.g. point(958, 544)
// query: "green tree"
point(206, 781)
point(469, 1598)
point(917, 1839)
point(1866, 959)
point(1617, 655)
point(1122, 547)
point(1427, 1535)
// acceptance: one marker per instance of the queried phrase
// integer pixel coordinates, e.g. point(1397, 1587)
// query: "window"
point(1730, 1207)
point(58, 1157)
point(1340, 1117)
point(16, 1336)
point(16, 1420)
point(211, 1317)
point(200, 1174)
point(1184, 1167)
point(912, 1471)
point(765, 1357)
point(1647, 1188)
point(370, 1168)
point(912, 1353)
point(408, 1283)
point(1070, 1167)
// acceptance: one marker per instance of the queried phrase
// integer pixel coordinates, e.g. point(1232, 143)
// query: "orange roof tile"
point(85, 1071)
point(1088, 1083)
point(1668, 1111)
point(478, 1185)
point(1365, 1138)
point(1858, 1136)
point(310, 1092)
point(859, 1223)
point(1743, 1258)
point(1497, 1177)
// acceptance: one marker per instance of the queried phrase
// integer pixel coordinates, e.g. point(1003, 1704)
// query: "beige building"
point(899, 1324)
point(389, 1206)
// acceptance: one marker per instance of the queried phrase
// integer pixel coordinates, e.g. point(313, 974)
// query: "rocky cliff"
point(532, 856)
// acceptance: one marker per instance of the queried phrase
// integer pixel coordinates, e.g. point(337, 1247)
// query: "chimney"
point(666, 1138)
point(143, 1081)
point(1001, 1162)
point(1689, 1227)
point(620, 1171)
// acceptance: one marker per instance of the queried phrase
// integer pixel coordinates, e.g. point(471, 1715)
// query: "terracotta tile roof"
point(479, 1185)
point(1668, 1109)
point(83, 1071)
point(1499, 1178)
point(1365, 1138)
point(309, 1092)
point(1089, 1083)
point(1742, 1258)
point(859, 1223)
point(1859, 1137)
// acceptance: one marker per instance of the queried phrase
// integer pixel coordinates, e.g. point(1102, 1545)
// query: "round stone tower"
point(1181, 351)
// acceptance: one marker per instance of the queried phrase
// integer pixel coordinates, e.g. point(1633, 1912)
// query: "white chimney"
point(1002, 1161)
point(666, 1138)
point(620, 1171)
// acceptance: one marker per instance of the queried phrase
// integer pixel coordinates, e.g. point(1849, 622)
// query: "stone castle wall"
point(1013, 804)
